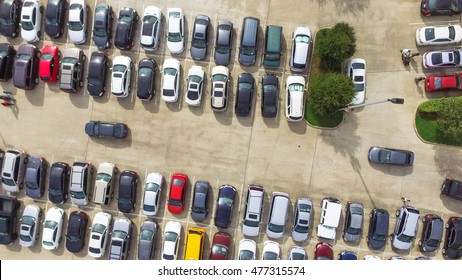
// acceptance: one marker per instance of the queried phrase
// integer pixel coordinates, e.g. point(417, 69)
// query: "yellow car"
point(194, 244)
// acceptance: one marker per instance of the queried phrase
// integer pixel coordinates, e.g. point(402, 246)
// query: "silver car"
point(302, 219)
point(147, 240)
point(406, 227)
point(354, 217)
point(120, 239)
point(29, 225)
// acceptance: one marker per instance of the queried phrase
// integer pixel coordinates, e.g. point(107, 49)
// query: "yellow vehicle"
point(194, 244)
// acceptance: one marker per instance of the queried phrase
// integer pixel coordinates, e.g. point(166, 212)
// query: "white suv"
point(78, 13)
point(31, 18)
point(277, 218)
point(80, 182)
point(253, 210)
point(406, 227)
point(13, 168)
point(331, 209)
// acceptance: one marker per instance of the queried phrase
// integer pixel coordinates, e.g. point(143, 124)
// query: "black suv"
point(96, 80)
point(76, 230)
point(9, 18)
point(432, 233)
point(7, 54)
point(102, 30)
point(25, 70)
point(126, 26)
point(453, 244)
point(128, 185)
point(54, 18)
point(378, 228)
point(9, 206)
point(59, 182)
point(452, 188)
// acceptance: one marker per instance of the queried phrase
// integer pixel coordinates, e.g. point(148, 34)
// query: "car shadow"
point(114, 143)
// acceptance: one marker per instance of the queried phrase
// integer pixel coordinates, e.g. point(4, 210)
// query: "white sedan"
point(195, 86)
point(356, 70)
point(171, 241)
point(121, 76)
point(78, 13)
point(271, 251)
point(219, 95)
point(152, 191)
point(170, 80)
point(438, 35)
point(31, 18)
point(446, 58)
point(29, 225)
point(175, 35)
point(151, 27)
point(295, 89)
point(99, 234)
point(52, 228)
point(247, 250)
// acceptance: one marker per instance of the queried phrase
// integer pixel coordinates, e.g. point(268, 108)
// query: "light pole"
point(392, 100)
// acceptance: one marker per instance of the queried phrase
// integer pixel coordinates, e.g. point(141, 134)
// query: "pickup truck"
point(9, 206)
point(331, 209)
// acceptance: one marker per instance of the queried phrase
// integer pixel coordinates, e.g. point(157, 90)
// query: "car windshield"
point(302, 39)
point(119, 234)
point(219, 250)
point(247, 50)
point(250, 223)
point(194, 79)
point(199, 43)
point(295, 87)
point(297, 256)
point(379, 237)
point(99, 228)
point(153, 187)
point(245, 86)
point(8, 182)
point(269, 88)
point(270, 256)
point(70, 60)
point(6, 21)
point(47, 56)
point(245, 255)
point(32, 185)
point(51, 20)
point(353, 231)
point(225, 201)
point(452, 32)
point(301, 228)
point(103, 176)
point(146, 235)
point(275, 228)
point(75, 26)
point(219, 78)
point(170, 71)
point(405, 238)
point(119, 68)
point(27, 25)
point(145, 70)
point(99, 32)
point(198, 209)
point(51, 224)
point(28, 220)
point(433, 242)
point(174, 37)
point(126, 19)
point(174, 202)
point(170, 236)
point(77, 195)
point(385, 156)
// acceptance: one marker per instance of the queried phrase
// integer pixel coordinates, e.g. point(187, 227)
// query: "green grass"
point(429, 131)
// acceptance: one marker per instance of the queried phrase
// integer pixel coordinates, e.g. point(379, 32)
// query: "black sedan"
point(76, 230)
point(102, 30)
point(7, 54)
point(54, 18)
point(440, 7)
point(378, 228)
point(245, 85)
point(391, 156)
point(59, 182)
point(9, 18)
point(270, 96)
point(97, 73)
point(126, 26)
point(223, 42)
point(106, 129)
point(453, 244)
point(146, 72)
point(128, 184)
point(225, 204)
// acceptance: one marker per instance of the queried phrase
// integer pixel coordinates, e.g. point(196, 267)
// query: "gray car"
point(199, 205)
point(200, 37)
point(432, 233)
point(120, 239)
point(302, 219)
point(391, 156)
point(102, 30)
point(147, 240)
point(71, 77)
point(354, 217)
point(34, 178)
point(106, 129)
point(223, 43)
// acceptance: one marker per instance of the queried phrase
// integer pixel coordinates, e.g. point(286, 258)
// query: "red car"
point(220, 246)
point(436, 83)
point(323, 251)
point(177, 193)
point(49, 64)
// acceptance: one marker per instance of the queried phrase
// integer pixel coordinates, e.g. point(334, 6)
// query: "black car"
point(452, 188)
point(128, 185)
point(199, 209)
point(270, 96)
point(223, 42)
point(76, 230)
point(378, 228)
point(96, 79)
point(146, 74)
point(453, 244)
point(391, 156)
point(200, 37)
point(245, 85)
point(54, 18)
point(440, 7)
point(25, 69)
point(432, 233)
point(59, 182)
point(102, 29)
point(225, 204)
point(126, 26)
point(9, 18)
point(106, 129)
point(7, 54)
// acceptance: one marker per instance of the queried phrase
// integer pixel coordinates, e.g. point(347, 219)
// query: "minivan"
point(277, 218)
point(272, 55)
point(249, 41)
point(104, 182)
point(253, 210)
point(195, 238)
point(13, 168)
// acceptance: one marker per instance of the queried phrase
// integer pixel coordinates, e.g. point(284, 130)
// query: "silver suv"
point(277, 218)
point(253, 210)
point(80, 182)
point(406, 227)
point(71, 78)
point(13, 168)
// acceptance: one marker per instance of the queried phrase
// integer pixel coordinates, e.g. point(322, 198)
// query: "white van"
point(103, 191)
point(331, 209)
point(277, 218)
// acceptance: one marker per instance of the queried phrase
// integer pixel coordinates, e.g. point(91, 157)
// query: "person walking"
point(7, 98)
point(7, 104)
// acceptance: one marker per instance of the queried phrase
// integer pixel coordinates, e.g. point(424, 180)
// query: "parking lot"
point(224, 149)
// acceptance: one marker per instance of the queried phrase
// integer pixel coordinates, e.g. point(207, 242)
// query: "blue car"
point(346, 255)
point(225, 204)
point(34, 178)
point(106, 129)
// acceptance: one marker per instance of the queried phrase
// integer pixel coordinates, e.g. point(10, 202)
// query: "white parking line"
point(434, 22)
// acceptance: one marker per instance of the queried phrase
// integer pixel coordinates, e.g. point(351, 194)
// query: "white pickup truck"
point(331, 209)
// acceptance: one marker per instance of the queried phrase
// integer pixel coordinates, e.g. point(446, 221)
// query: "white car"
point(219, 94)
point(120, 239)
point(301, 41)
point(175, 35)
point(77, 21)
point(99, 234)
point(446, 58)
point(29, 225)
point(302, 219)
point(295, 89)
point(170, 80)
point(31, 18)
point(271, 251)
point(52, 228)
point(171, 241)
point(151, 28)
point(247, 250)
point(438, 35)
point(356, 70)
point(121, 76)
point(372, 258)
point(152, 192)
point(105, 177)
point(195, 86)
point(297, 253)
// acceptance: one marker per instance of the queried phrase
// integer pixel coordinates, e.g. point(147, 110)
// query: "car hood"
point(222, 58)
point(175, 47)
point(198, 53)
point(52, 29)
point(117, 85)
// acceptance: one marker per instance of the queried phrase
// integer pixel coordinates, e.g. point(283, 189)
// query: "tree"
point(330, 92)
point(450, 118)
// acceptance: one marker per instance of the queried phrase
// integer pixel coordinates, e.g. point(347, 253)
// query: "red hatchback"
point(323, 251)
point(177, 193)
point(49, 64)
point(220, 246)
point(436, 83)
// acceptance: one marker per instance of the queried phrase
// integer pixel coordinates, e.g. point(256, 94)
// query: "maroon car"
point(220, 246)
point(323, 251)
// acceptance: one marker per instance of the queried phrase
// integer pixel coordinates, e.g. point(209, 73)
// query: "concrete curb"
point(428, 142)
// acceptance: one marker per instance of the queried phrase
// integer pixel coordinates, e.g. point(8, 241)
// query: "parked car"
point(271, 251)
point(446, 58)
point(437, 83)
point(52, 228)
point(125, 30)
point(452, 188)
point(171, 240)
point(9, 208)
point(219, 94)
point(49, 64)
point(432, 233)
point(77, 21)
point(440, 7)
point(170, 80)
point(31, 20)
point(278, 213)
point(302, 219)
point(195, 86)
point(13, 168)
point(121, 76)
point(58, 182)
point(76, 231)
point(29, 225)
point(9, 18)
point(323, 251)
point(244, 94)
point(152, 192)
point(247, 250)
point(301, 41)
point(378, 228)
point(269, 96)
point(452, 248)
point(175, 31)
point(297, 253)
point(354, 217)
point(106, 129)
point(194, 244)
point(221, 245)
point(104, 183)
point(438, 35)
point(176, 198)
point(99, 234)
point(34, 177)
point(200, 37)
point(253, 210)
point(372, 258)
point(146, 79)
point(406, 227)
point(249, 41)
point(54, 18)
point(151, 28)
point(147, 240)
point(356, 70)
point(128, 187)
point(120, 239)
point(102, 28)
point(225, 205)
point(25, 69)
point(223, 42)
point(80, 183)
point(391, 156)
point(347, 255)
point(295, 90)
point(71, 77)
point(7, 54)
point(96, 78)
point(331, 209)
point(199, 209)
